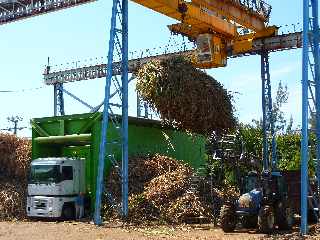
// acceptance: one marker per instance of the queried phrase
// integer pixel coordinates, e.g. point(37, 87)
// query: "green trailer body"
point(79, 136)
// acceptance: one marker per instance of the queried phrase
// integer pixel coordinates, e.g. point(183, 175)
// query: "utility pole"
point(15, 120)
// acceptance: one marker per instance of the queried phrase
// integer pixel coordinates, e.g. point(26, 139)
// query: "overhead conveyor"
point(15, 10)
point(69, 74)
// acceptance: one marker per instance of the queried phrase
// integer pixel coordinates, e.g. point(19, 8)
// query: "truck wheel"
point(284, 218)
point(266, 219)
point(313, 216)
point(68, 212)
point(250, 221)
point(228, 218)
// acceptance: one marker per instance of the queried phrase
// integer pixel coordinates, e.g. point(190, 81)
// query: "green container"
point(79, 136)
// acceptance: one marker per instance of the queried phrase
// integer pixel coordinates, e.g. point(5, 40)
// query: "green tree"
point(289, 129)
point(278, 115)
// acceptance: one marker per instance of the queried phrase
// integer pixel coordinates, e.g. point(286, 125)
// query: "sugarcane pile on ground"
point(15, 155)
point(160, 191)
point(185, 97)
point(13, 197)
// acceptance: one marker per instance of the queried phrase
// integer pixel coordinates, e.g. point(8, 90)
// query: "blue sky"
point(82, 33)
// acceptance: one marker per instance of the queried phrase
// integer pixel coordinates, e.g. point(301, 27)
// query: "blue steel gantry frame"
point(267, 120)
point(118, 47)
point(58, 99)
point(310, 104)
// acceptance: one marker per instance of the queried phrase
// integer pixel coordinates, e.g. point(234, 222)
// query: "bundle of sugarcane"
point(186, 97)
point(12, 199)
point(15, 155)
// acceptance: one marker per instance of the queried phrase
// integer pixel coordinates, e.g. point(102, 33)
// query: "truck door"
point(67, 179)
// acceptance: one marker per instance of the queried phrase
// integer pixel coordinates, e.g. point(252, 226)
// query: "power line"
point(23, 90)
point(13, 129)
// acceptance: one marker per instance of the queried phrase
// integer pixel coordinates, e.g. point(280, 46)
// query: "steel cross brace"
point(268, 116)
point(118, 47)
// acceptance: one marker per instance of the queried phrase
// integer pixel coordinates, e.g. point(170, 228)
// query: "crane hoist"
point(218, 27)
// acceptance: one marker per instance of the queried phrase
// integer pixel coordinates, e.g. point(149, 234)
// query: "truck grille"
point(40, 204)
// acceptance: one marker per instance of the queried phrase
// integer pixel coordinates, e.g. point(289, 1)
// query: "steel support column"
point(118, 47)
point(268, 118)
point(124, 78)
point(58, 100)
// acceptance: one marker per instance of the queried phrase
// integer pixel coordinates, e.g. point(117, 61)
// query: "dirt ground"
point(36, 230)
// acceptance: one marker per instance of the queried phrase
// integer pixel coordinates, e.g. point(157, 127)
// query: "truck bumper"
point(46, 207)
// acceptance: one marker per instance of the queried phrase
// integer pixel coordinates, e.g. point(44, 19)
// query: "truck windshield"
point(45, 174)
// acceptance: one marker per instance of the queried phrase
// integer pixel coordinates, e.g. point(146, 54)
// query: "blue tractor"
point(264, 204)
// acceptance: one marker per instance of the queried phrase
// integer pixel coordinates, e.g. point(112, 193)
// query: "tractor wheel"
point(228, 218)
point(250, 221)
point(266, 219)
point(284, 217)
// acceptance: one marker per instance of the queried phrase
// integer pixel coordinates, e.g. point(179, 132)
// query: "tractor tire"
point(284, 217)
point(266, 219)
point(250, 221)
point(228, 218)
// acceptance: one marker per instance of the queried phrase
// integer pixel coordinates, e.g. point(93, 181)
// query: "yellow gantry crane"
point(218, 27)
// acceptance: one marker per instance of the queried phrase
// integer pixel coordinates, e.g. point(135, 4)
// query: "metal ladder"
point(312, 87)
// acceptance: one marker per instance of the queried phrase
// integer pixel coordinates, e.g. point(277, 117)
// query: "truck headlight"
point(50, 202)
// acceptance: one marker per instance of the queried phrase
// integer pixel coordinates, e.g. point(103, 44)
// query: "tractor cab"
point(251, 182)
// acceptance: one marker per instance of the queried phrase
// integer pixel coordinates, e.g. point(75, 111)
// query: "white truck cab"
point(53, 186)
